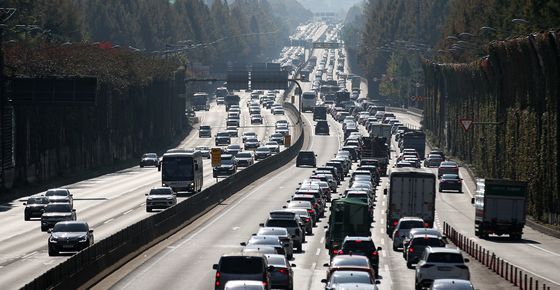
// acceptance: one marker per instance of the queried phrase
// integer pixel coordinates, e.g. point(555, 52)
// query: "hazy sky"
point(328, 5)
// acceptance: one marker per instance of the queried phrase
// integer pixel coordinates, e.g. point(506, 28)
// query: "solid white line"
point(384, 254)
point(191, 237)
point(313, 265)
point(382, 231)
point(322, 239)
point(382, 221)
point(545, 250)
point(127, 212)
point(107, 221)
point(317, 252)
point(383, 241)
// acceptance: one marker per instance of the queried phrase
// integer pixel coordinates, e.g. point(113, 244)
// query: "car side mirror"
point(243, 244)
point(293, 265)
point(472, 200)
point(261, 225)
point(74, 210)
point(326, 265)
point(326, 227)
point(49, 231)
point(324, 281)
point(284, 206)
point(215, 266)
point(379, 249)
point(91, 231)
point(377, 282)
point(466, 260)
point(25, 203)
point(71, 194)
point(145, 194)
point(159, 167)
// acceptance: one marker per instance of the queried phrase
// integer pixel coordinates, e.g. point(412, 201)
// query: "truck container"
point(412, 193)
point(319, 113)
point(231, 100)
point(341, 97)
point(356, 80)
point(414, 140)
point(200, 102)
point(349, 217)
point(376, 148)
point(500, 207)
point(380, 131)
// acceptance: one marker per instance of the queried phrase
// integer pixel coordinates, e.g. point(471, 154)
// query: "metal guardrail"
point(84, 268)
point(521, 278)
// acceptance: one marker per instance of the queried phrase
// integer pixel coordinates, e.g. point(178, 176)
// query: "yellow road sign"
point(216, 156)
point(287, 140)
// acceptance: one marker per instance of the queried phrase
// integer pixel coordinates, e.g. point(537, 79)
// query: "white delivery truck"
point(412, 193)
point(380, 131)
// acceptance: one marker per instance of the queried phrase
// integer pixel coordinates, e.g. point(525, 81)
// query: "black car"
point(306, 158)
point(362, 246)
point(205, 131)
point(322, 127)
point(149, 159)
point(450, 182)
point(34, 207)
point(71, 236)
point(228, 166)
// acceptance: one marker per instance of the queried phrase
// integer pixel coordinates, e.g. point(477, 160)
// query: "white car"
point(245, 158)
point(160, 197)
point(440, 263)
point(204, 151)
point(278, 111)
point(403, 228)
point(273, 146)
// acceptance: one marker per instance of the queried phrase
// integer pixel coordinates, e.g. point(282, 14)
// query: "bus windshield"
point(177, 168)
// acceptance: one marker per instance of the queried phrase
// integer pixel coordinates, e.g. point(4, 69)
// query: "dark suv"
point(242, 266)
point(322, 127)
point(205, 131)
point(34, 207)
point(56, 212)
point(362, 246)
point(306, 158)
point(71, 236)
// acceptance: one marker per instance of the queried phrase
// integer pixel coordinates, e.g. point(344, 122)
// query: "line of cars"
point(58, 217)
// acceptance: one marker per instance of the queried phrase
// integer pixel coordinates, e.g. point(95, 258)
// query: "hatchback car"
point(322, 127)
point(262, 153)
point(403, 228)
point(362, 246)
point(242, 266)
point(440, 263)
point(227, 167)
point(450, 182)
point(69, 236)
point(149, 159)
point(306, 158)
point(160, 198)
point(34, 207)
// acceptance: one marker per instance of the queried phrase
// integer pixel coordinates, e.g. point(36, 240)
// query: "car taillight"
point(335, 252)
point(283, 271)
point(395, 223)
point(307, 219)
point(218, 279)
point(340, 252)
point(374, 253)
point(410, 249)
point(310, 211)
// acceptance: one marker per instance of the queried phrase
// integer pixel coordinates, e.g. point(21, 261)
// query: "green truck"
point(349, 217)
point(500, 207)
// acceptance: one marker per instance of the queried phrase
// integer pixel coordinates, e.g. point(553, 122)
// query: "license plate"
point(67, 246)
point(444, 268)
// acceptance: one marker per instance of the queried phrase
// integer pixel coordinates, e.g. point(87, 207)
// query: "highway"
point(187, 257)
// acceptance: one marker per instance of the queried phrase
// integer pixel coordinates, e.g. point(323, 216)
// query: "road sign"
point(466, 124)
point(238, 80)
point(327, 45)
point(287, 140)
point(216, 156)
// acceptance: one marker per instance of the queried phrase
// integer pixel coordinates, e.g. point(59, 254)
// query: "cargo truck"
point(200, 102)
point(500, 208)
point(349, 217)
point(412, 193)
point(376, 148)
point(356, 80)
point(231, 100)
point(319, 113)
point(380, 131)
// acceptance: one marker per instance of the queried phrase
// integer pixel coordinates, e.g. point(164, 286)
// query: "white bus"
point(182, 170)
point(308, 101)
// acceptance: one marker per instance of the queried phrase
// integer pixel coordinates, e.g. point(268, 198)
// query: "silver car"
point(403, 228)
point(160, 197)
point(440, 263)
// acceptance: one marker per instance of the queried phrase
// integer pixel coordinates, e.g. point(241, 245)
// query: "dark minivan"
point(322, 127)
point(306, 158)
point(242, 266)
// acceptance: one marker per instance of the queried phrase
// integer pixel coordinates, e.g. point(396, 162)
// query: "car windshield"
point(425, 241)
point(338, 262)
point(241, 265)
point(160, 191)
point(228, 161)
point(282, 223)
point(37, 200)
point(273, 232)
point(359, 246)
point(244, 155)
point(272, 143)
point(406, 225)
point(149, 155)
point(56, 193)
point(70, 227)
point(445, 258)
point(255, 140)
point(340, 277)
point(58, 207)
point(204, 127)
point(234, 146)
point(263, 149)
point(222, 134)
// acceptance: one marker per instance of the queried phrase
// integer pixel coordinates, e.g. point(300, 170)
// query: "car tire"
point(44, 229)
point(141, 166)
point(26, 217)
point(300, 248)
point(148, 209)
point(409, 265)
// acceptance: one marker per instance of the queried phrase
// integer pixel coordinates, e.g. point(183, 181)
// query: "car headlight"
point(169, 197)
point(83, 239)
point(149, 198)
point(53, 240)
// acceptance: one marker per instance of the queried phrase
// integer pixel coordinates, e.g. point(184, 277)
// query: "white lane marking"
point(384, 254)
point(382, 221)
point(386, 267)
point(383, 241)
point(382, 231)
point(235, 228)
point(317, 252)
point(29, 255)
point(108, 221)
point(313, 265)
point(545, 250)
point(127, 212)
point(383, 203)
point(201, 230)
point(322, 239)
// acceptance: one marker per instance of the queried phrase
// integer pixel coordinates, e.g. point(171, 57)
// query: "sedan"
point(160, 197)
point(34, 207)
point(69, 236)
point(278, 111)
point(282, 276)
point(245, 158)
point(262, 153)
point(433, 160)
point(450, 182)
point(149, 159)
point(273, 146)
point(252, 143)
point(256, 119)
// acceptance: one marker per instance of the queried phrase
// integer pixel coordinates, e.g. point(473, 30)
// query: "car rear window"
point(362, 246)
point(405, 225)
point(241, 265)
point(58, 207)
point(70, 227)
point(281, 223)
point(349, 262)
point(445, 258)
point(428, 242)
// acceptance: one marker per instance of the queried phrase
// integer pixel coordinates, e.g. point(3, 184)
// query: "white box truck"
point(380, 131)
point(412, 193)
point(500, 207)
